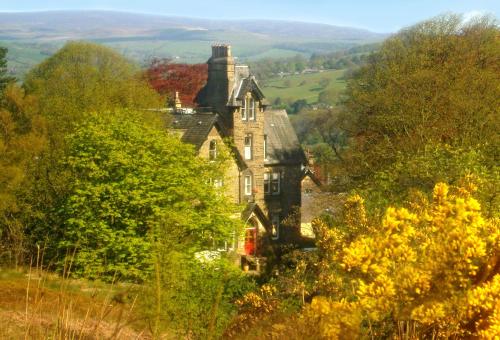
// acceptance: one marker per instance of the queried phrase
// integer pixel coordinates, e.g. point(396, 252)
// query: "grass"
point(304, 86)
point(39, 305)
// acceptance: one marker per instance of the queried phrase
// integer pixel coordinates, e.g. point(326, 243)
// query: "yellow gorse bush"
point(429, 272)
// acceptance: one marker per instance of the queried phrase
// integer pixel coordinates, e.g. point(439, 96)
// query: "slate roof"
point(283, 146)
point(243, 83)
point(196, 126)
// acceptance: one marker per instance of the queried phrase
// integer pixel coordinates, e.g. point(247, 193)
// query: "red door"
point(250, 241)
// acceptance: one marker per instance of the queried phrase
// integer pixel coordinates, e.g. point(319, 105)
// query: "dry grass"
point(39, 305)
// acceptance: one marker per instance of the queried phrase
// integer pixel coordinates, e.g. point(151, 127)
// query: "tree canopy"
point(83, 77)
point(167, 78)
point(131, 183)
point(427, 98)
point(435, 82)
point(4, 77)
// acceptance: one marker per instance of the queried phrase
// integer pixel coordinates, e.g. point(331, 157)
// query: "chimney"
point(178, 103)
point(220, 81)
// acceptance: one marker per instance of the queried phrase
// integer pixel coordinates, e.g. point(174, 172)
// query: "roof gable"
point(196, 128)
point(257, 211)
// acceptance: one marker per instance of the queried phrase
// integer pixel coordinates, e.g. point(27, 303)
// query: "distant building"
point(269, 163)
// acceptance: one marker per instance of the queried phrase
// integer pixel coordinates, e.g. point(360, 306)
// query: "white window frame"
point(275, 225)
point(244, 115)
point(251, 107)
point(212, 153)
point(248, 185)
point(275, 179)
point(248, 147)
point(218, 183)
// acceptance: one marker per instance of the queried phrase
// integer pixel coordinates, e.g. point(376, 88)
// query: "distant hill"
point(32, 36)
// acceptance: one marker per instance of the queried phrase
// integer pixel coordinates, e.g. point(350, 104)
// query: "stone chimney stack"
point(220, 80)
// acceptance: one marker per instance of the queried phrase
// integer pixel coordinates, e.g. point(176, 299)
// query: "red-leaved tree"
point(167, 77)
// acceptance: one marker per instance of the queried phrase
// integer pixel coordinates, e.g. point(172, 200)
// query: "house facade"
point(269, 162)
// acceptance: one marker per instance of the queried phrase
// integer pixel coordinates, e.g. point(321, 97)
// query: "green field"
point(304, 86)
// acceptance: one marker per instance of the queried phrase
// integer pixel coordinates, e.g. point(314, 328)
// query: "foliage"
point(128, 180)
point(167, 78)
point(410, 174)
point(23, 137)
point(321, 126)
point(433, 83)
point(429, 272)
point(83, 77)
point(4, 78)
point(196, 298)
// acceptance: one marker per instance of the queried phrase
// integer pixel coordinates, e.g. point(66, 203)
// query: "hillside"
point(304, 86)
point(32, 36)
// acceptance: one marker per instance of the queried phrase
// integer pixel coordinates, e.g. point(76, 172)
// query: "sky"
point(376, 15)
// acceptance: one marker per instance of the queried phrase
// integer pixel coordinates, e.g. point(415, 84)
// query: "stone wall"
point(287, 203)
point(241, 128)
point(231, 178)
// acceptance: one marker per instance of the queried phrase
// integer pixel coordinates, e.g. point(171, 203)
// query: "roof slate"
point(283, 146)
point(196, 126)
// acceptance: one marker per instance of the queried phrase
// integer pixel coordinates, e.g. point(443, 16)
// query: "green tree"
point(23, 137)
point(431, 87)
point(4, 78)
point(80, 78)
point(435, 82)
point(133, 183)
point(84, 77)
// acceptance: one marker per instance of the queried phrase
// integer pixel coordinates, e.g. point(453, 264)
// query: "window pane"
point(275, 183)
point(244, 110)
point(248, 147)
point(212, 151)
point(248, 185)
point(251, 106)
point(267, 183)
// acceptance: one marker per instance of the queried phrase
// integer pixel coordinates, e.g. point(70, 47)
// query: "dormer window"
point(244, 111)
point(212, 150)
point(251, 108)
point(248, 109)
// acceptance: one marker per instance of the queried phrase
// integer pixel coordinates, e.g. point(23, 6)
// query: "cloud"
point(475, 13)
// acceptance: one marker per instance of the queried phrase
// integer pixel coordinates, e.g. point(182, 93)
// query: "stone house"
point(269, 163)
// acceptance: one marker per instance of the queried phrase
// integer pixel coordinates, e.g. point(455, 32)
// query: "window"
point(248, 109)
point(267, 183)
point(248, 146)
point(248, 185)
point(275, 226)
point(272, 183)
point(212, 150)
point(251, 109)
point(244, 111)
point(218, 183)
point(265, 146)
point(275, 183)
